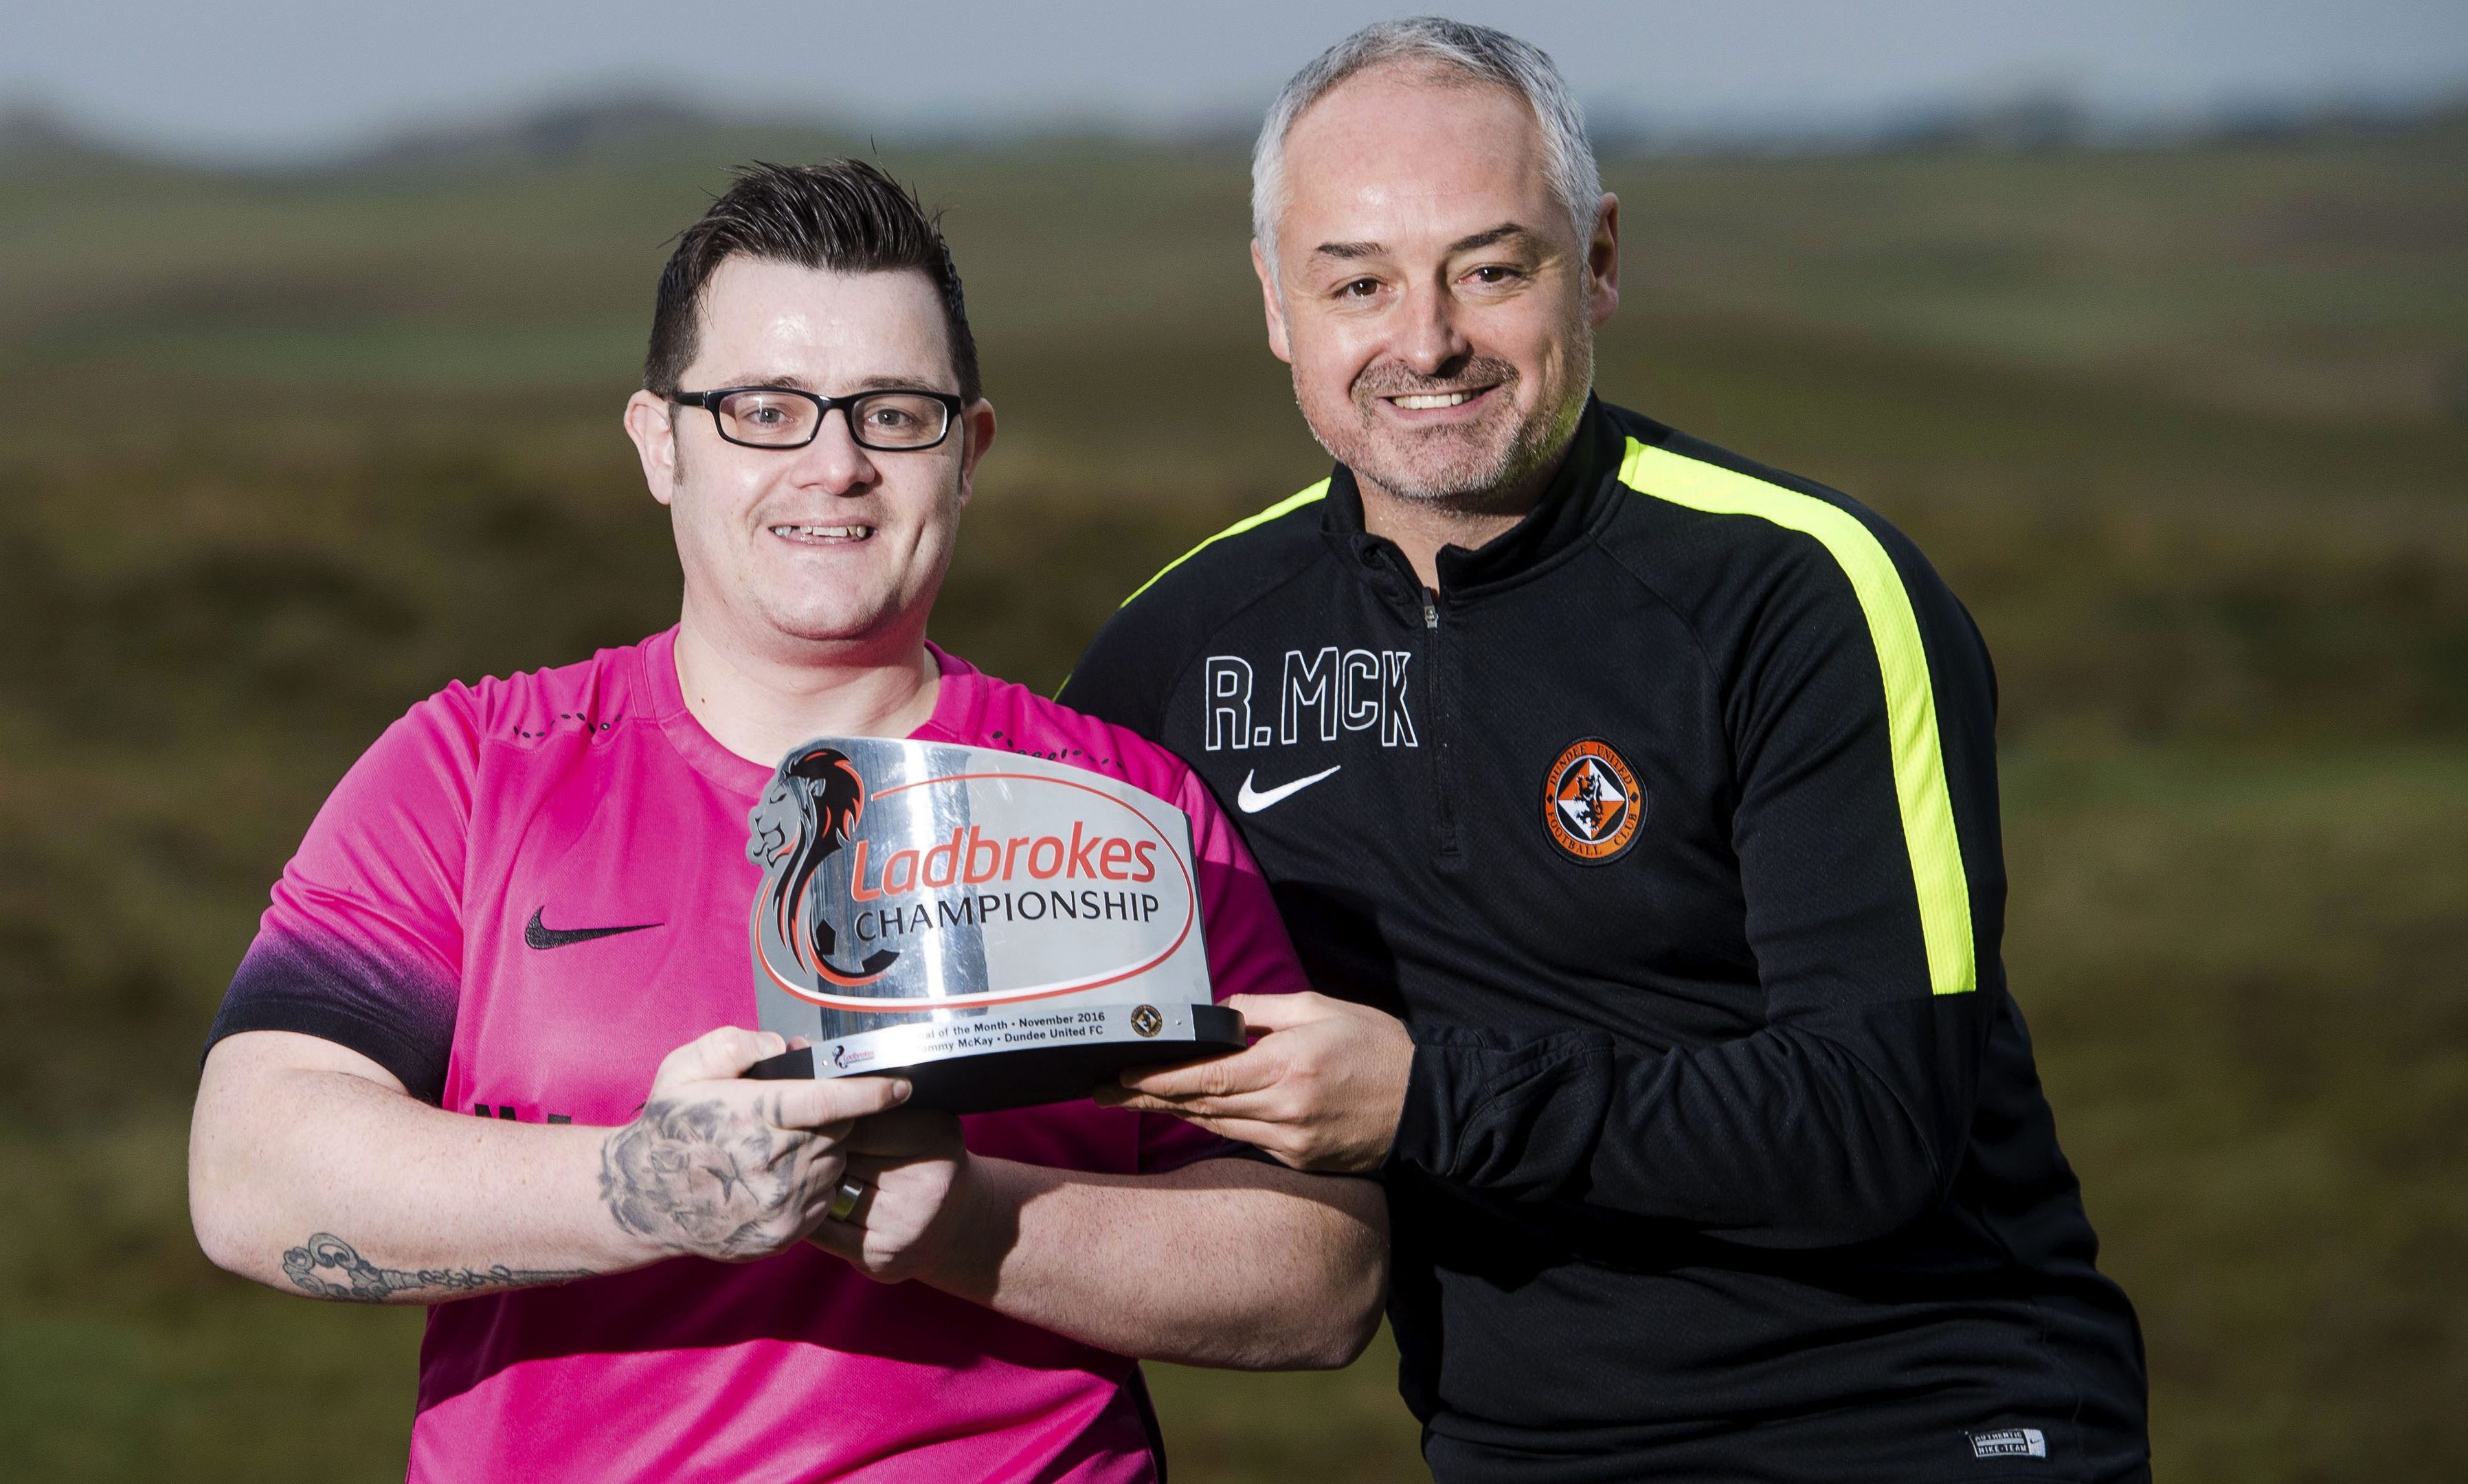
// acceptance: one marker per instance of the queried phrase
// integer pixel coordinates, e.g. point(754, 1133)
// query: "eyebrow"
point(1351, 251)
point(797, 383)
point(1347, 251)
point(1498, 234)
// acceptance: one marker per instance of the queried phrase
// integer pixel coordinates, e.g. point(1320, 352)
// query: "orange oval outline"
point(876, 1005)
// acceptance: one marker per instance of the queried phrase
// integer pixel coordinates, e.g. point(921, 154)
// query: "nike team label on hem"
point(2009, 1443)
point(539, 935)
point(1253, 800)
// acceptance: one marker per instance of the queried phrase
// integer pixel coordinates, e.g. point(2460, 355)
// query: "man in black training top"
point(1639, 804)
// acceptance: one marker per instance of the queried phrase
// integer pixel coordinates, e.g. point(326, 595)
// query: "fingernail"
point(901, 1089)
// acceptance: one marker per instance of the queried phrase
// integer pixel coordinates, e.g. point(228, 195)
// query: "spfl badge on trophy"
point(999, 930)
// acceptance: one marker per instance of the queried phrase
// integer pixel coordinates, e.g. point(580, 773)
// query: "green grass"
point(281, 455)
point(2244, 977)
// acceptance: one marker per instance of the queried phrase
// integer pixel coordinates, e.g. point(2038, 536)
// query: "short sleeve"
point(1249, 953)
point(362, 945)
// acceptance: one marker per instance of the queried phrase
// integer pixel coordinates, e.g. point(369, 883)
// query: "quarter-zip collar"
point(1572, 505)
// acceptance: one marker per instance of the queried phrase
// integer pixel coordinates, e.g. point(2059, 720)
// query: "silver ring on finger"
point(844, 1200)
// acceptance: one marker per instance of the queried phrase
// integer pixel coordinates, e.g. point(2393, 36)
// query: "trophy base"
point(992, 1081)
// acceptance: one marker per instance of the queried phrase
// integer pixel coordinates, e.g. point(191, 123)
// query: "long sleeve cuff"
point(1516, 1116)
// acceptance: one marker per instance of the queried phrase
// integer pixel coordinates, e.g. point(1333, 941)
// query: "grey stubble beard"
point(1494, 483)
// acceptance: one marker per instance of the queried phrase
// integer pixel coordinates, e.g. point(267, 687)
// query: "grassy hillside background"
point(2188, 429)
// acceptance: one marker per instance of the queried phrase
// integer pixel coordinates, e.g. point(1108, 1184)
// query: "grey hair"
point(1476, 53)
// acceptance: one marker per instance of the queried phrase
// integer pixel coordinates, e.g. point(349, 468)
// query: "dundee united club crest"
point(1591, 802)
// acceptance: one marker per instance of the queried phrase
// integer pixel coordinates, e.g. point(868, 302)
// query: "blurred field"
point(2186, 429)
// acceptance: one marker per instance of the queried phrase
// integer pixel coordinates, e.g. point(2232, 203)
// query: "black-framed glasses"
point(894, 421)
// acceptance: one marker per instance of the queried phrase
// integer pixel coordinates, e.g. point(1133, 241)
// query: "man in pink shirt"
point(486, 1053)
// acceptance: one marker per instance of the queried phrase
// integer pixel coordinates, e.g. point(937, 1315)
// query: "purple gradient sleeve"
point(363, 942)
point(400, 1015)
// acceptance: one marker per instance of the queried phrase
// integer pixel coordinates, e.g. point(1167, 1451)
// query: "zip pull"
point(1431, 610)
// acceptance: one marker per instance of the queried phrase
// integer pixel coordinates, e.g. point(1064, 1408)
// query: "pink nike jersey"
point(447, 916)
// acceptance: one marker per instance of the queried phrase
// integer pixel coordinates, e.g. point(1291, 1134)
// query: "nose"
point(1431, 342)
point(832, 461)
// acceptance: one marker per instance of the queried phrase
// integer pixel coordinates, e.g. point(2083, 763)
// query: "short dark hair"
point(846, 216)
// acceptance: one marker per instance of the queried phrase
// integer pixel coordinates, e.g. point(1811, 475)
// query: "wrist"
point(983, 1213)
point(615, 1225)
point(1366, 1132)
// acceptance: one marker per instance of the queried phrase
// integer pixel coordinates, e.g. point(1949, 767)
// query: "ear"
point(1602, 262)
point(1279, 345)
point(976, 436)
point(652, 427)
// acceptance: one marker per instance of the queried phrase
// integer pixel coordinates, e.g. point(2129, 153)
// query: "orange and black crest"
point(1591, 802)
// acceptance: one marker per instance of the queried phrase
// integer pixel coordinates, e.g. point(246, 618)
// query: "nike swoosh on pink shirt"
point(537, 934)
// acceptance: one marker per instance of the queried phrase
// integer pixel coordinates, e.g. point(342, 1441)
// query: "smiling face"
point(786, 549)
point(1432, 295)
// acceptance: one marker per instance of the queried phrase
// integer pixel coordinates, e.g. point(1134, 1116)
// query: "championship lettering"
point(984, 909)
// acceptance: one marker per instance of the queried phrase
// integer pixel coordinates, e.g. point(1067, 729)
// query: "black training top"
point(1669, 824)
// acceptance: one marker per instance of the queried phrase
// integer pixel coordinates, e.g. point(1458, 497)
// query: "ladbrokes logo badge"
point(1591, 803)
point(806, 818)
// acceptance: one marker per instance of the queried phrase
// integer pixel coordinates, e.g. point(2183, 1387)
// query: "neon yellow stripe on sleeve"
point(1910, 700)
point(1292, 502)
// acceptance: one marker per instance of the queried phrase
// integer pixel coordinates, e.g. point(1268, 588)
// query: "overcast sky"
point(237, 77)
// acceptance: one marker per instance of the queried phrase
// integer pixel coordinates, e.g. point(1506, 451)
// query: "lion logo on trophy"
point(809, 811)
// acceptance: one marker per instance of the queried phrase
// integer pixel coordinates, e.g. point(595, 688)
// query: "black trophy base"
point(992, 1081)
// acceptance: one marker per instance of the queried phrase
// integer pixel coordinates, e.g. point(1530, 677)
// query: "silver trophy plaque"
point(1000, 929)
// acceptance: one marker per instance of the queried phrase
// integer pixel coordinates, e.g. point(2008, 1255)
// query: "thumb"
point(833, 1100)
point(1279, 1011)
point(718, 1054)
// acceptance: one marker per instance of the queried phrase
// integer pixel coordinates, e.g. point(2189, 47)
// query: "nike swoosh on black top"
point(1253, 800)
point(538, 935)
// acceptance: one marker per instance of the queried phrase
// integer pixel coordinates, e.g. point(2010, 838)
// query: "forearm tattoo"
point(695, 1177)
point(327, 1267)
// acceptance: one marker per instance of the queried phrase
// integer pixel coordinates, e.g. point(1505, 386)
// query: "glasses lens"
point(765, 418)
point(898, 420)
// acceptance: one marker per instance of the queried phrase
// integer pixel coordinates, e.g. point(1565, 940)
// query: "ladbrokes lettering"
point(1319, 695)
point(973, 859)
